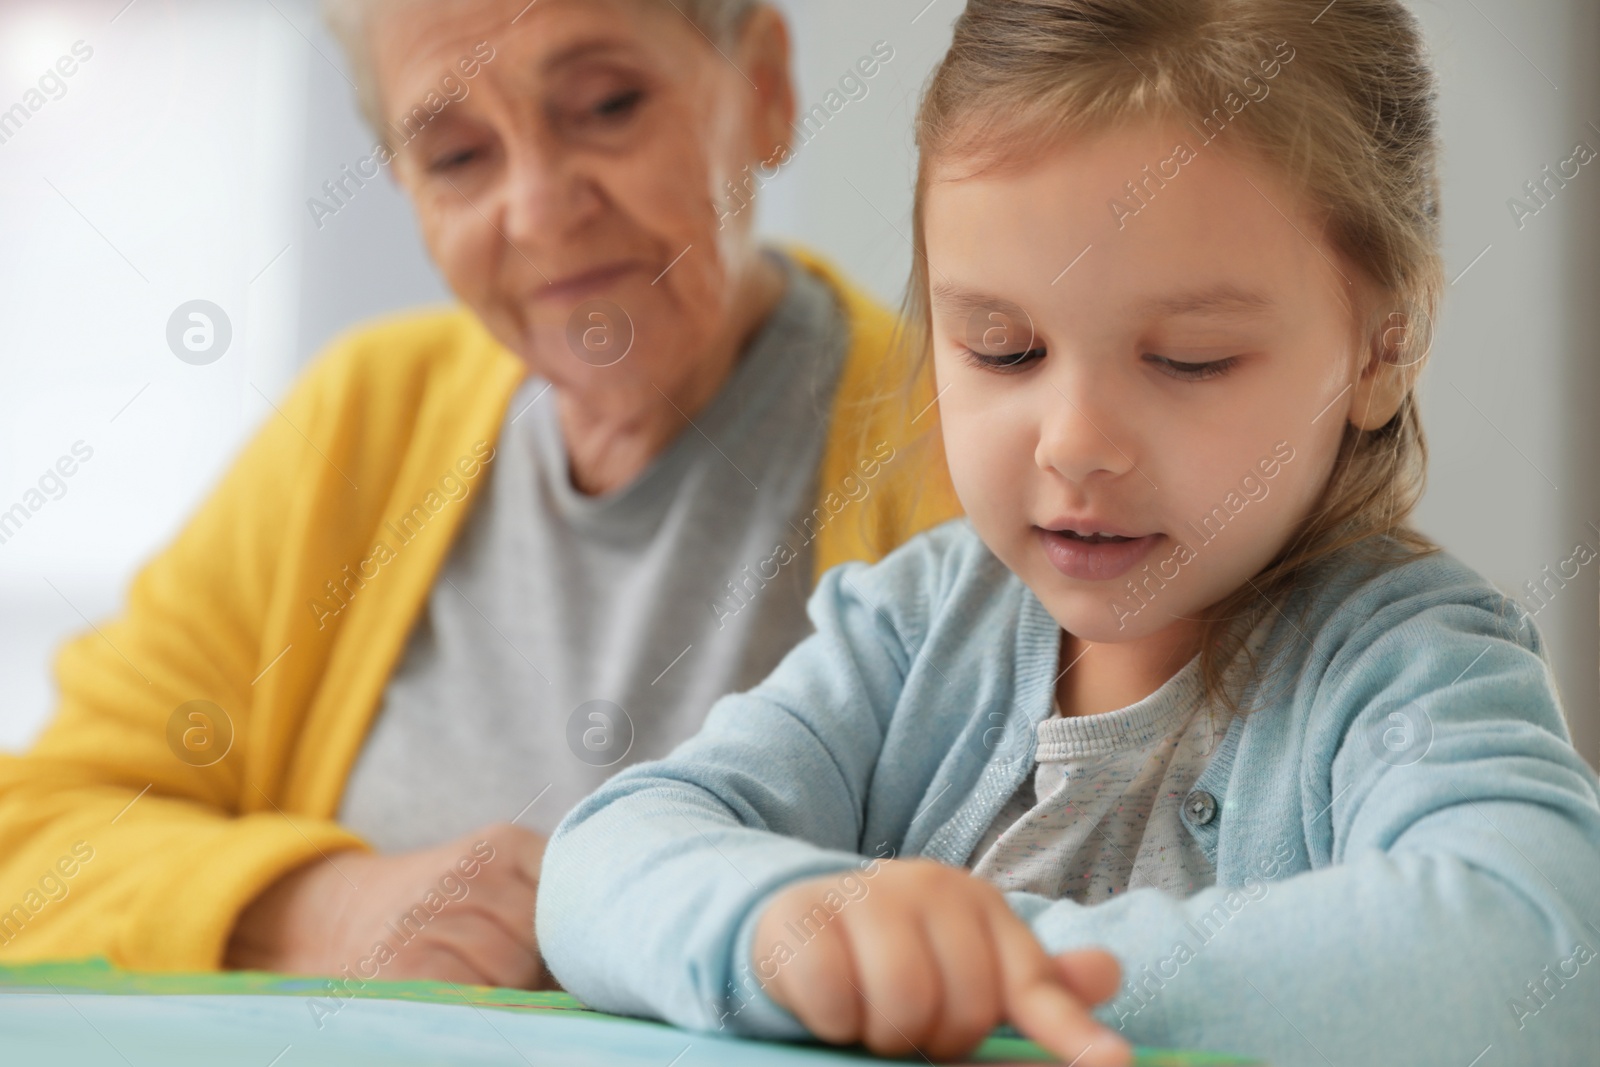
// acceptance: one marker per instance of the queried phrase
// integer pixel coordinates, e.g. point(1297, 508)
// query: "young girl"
point(1182, 684)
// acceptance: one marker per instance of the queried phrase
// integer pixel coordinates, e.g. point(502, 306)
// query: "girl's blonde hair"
point(1348, 119)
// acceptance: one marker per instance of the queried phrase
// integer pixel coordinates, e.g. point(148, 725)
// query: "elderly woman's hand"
point(459, 912)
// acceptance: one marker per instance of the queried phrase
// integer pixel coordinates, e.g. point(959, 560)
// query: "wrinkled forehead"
point(402, 51)
point(418, 41)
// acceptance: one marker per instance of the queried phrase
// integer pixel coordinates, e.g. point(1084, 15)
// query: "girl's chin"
point(1099, 621)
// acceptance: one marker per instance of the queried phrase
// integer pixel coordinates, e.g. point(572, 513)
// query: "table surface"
point(88, 1014)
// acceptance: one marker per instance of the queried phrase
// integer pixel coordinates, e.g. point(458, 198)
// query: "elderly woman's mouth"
point(577, 285)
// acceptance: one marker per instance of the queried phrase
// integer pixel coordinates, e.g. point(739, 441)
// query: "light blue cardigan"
point(1407, 846)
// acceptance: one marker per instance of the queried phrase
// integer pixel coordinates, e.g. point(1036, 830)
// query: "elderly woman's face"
point(583, 165)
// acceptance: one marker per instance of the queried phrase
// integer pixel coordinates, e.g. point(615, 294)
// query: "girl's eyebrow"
point(959, 300)
point(1217, 300)
point(1223, 299)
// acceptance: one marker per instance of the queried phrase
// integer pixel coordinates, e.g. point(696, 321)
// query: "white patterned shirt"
point(1100, 814)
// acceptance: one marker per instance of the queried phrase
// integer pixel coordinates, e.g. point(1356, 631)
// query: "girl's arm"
point(646, 881)
point(1455, 906)
point(653, 887)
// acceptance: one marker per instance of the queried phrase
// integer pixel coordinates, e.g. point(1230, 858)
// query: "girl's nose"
point(1081, 429)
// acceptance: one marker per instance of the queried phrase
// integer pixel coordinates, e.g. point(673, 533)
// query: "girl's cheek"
point(980, 467)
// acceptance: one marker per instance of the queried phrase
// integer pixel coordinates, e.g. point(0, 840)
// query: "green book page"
point(49, 986)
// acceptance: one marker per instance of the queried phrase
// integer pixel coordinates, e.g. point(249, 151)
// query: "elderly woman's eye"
point(452, 160)
point(619, 104)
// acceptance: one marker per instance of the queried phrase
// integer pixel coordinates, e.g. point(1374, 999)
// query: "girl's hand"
point(924, 957)
point(458, 912)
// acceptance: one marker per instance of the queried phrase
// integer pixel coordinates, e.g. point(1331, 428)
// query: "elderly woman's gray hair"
point(717, 19)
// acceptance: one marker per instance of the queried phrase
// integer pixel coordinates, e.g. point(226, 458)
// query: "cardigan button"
point(1201, 806)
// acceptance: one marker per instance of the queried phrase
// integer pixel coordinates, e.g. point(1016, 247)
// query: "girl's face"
point(1176, 370)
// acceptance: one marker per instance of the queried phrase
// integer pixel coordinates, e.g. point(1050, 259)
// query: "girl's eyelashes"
point(1191, 372)
point(1005, 362)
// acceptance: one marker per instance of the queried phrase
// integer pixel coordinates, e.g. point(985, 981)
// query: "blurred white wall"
point(1510, 400)
point(160, 171)
point(177, 161)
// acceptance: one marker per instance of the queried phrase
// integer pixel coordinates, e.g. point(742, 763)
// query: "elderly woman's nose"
point(543, 191)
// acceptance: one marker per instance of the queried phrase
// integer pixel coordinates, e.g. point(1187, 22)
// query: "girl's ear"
point(1394, 357)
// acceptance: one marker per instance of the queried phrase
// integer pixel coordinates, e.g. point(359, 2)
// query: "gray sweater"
point(569, 636)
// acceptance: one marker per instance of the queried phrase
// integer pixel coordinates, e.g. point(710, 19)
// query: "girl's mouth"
point(1094, 538)
point(1094, 557)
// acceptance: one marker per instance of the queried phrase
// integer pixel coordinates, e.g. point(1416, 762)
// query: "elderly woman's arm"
point(460, 912)
point(153, 823)
point(162, 853)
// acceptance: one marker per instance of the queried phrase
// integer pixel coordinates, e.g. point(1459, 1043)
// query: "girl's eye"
point(1192, 372)
point(1005, 362)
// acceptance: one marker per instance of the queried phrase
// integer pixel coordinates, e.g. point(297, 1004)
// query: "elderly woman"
point(480, 559)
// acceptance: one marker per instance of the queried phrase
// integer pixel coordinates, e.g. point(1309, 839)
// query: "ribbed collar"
point(1161, 714)
point(1158, 715)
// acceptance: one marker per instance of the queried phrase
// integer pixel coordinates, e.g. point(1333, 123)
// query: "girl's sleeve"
point(1455, 914)
point(647, 883)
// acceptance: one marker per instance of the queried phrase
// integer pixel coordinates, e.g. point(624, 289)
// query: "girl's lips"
point(1090, 562)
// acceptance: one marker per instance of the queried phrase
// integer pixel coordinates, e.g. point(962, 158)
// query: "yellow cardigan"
point(276, 605)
